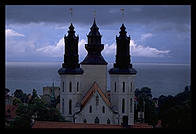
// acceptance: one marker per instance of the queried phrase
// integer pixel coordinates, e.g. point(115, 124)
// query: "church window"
point(108, 121)
point(85, 121)
point(70, 87)
point(63, 86)
point(90, 109)
point(77, 86)
point(131, 105)
point(103, 109)
point(97, 100)
point(70, 106)
point(63, 106)
point(123, 105)
point(115, 87)
point(97, 120)
point(123, 86)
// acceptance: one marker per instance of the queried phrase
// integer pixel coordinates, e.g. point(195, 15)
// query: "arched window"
point(90, 109)
point(103, 109)
point(85, 121)
point(70, 106)
point(115, 87)
point(63, 106)
point(131, 105)
point(123, 86)
point(123, 105)
point(108, 121)
point(77, 86)
point(97, 120)
point(97, 100)
point(70, 87)
point(63, 86)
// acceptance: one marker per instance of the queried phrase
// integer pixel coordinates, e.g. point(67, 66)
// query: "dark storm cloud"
point(105, 14)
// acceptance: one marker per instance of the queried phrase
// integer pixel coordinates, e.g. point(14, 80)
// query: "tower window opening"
point(123, 86)
point(90, 109)
point(131, 105)
point(63, 106)
point(63, 86)
point(123, 105)
point(70, 106)
point(115, 87)
point(77, 86)
point(103, 109)
point(70, 86)
point(131, 86)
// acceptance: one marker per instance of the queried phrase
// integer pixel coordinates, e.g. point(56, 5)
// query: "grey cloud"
point(105, 14)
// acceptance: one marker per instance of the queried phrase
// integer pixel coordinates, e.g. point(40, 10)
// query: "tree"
point(16, 101)
point(175, 112)
point(35, 110)
point(146, 105)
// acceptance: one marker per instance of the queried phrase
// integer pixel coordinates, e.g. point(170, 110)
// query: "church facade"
point(84, 85)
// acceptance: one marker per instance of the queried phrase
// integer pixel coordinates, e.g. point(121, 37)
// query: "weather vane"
point(122, 10)
point(94, 13)
point(70, 10)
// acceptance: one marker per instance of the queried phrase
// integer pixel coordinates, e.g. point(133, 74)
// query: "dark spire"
point(123, 63)
point(70, 65)
point(94, 47)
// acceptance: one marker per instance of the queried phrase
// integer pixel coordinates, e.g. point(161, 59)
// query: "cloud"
point(136, 50)
point(52, 50)
point(146, 35)
point(146, 51)
point(58, 49)
point(12, 33)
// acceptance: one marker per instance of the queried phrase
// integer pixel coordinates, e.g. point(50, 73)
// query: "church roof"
point(92, 90)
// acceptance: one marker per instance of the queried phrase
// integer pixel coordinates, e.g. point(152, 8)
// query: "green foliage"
point(175, 112)
point(16, 101)
point(146, 105)
point(20, 95)
point(37, 110)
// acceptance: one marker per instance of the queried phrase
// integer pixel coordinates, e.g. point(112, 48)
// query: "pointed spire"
point(94, 30)
point(123, 31)
point(94, 47)
point(71, 32)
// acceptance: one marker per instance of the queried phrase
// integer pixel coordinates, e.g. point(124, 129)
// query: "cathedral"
point(83, 85)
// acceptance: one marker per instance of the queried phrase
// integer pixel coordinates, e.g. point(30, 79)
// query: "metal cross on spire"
point(70, 10)
point(94, 14)
point(123, 18)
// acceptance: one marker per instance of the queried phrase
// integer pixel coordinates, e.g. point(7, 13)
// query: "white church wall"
point(65, 93)
point(93, 73)
point(117, 95)
point(96, 112)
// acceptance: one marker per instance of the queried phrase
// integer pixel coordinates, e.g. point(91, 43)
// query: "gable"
point(95, 88)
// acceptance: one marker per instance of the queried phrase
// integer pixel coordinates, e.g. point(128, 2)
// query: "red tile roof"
point(141, 125)
point(10, 111)
point(91, 91)
point(51, 124)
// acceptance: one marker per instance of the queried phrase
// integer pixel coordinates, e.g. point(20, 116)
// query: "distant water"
point(161, 78)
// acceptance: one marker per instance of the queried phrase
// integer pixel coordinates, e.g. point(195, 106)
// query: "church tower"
point(70, 75)
point(94, 65)
point(122, 77)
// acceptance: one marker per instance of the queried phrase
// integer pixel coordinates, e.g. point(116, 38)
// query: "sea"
point(163, 79)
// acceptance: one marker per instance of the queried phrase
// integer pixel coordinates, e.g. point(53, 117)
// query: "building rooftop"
point(50, 124)
point(10, 111)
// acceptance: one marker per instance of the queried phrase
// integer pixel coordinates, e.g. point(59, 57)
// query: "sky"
point(159, 33)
